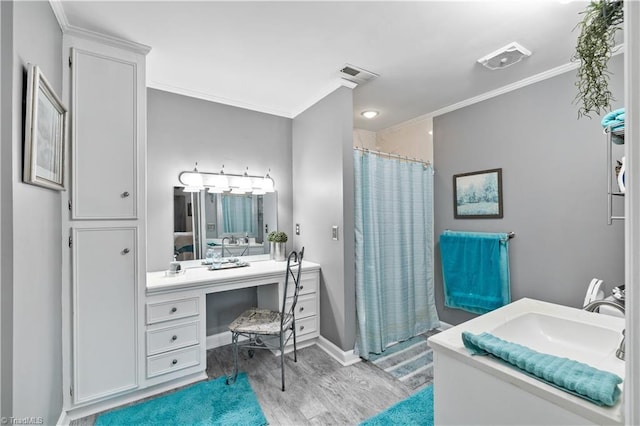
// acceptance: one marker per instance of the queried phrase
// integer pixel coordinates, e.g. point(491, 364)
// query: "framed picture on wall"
point(44, 133)
point(478, 195)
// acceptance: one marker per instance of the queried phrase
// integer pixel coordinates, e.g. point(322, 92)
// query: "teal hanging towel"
point(475, 270)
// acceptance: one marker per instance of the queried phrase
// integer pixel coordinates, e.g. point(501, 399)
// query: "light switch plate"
point(334, 233)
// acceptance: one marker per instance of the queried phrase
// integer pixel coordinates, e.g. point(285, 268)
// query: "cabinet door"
point(104, 312)
point(104, 136)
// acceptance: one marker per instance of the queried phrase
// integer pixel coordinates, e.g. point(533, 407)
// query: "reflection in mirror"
point(183, 242)
point(202, 220)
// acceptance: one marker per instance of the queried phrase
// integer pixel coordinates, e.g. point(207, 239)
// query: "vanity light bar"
point(226, 182)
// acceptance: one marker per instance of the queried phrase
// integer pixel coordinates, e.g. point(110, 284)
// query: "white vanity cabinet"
point(104, 266)
point(307, 309)
point(104, 134)
point(174, 337)
point(105, 308)
point(176, 341)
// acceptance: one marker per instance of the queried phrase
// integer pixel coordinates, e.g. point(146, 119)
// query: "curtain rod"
point(390, 155)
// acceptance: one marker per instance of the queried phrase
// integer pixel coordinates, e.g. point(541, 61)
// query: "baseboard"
point(67, 417)
point(63, 419)
point(345, 358)
point(217, 340)
point(444, 326)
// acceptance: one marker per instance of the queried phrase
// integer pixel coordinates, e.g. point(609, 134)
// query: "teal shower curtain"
point(237, 214)
point(393, 251)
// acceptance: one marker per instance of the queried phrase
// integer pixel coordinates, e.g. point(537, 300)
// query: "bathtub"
point(480, 390)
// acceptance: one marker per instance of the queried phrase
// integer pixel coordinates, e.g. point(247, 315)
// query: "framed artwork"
point(45, 133)
point(478, 195)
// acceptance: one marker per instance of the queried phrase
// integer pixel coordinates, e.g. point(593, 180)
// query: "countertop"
point(197, 275)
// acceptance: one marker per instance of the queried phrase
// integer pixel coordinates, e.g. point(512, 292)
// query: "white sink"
point(482, 390)
point(564, 337)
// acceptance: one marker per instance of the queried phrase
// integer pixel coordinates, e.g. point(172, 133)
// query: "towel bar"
point(510, 234)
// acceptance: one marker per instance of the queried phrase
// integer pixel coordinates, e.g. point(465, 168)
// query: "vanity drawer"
point(172, 309)
point(174, 337)
point(173, 361)
point(308, 284)
point(306, 305)
point(306, 326)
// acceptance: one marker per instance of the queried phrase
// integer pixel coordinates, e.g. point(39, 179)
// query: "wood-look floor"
point(319, 390)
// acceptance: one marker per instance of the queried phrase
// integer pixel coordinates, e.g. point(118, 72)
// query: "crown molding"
point(326, 91)
point(553, 72)
point(217, 99)
point(107, 39)
point(72, 30)
point(346, 83)
point(58, 11)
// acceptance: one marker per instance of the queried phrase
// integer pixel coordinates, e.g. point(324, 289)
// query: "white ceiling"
point(281, 57)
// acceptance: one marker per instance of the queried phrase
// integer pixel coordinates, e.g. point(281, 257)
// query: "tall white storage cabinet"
point(104, 206)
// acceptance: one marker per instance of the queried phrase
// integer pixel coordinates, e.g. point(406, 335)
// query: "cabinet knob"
point(301, 287)
point(301, 327)
point(174, 310)
point(126, 251)
point(174, 362)
point(301, 308)
point(174, 337)
point(125, 194)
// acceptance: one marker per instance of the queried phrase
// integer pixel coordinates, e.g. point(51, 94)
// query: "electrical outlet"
point(334, 233)
point(297, 229)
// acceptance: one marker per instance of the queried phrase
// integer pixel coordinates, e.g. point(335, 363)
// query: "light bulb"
point(370, 114)
point(245, 183)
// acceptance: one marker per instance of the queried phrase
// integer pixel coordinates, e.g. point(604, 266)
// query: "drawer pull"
point(301, 287)
point(174, 338)
point(174, 362)
point(125, 194)
point(174, 310)
point(301, 308)
point(301, 327)
point(126, 251)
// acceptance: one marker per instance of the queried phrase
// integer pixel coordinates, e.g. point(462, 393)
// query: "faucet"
point(591, 307)
point(222, 241)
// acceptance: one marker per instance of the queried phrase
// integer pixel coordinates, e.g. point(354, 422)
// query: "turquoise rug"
point(415, 410)
point(205, 403)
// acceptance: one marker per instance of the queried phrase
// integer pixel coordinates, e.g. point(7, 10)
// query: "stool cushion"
point(259, 321)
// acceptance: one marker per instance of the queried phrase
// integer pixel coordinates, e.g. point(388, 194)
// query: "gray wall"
point(323, 187)
point(182, 130)
point(554, 188)
point(6, 240)
point(31, 231)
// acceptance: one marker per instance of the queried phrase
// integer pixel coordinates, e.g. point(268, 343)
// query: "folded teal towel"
point(597, 386)
point(614, 121)
point(475, 270)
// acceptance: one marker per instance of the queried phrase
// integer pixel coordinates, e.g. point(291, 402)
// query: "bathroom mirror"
point(203, 219)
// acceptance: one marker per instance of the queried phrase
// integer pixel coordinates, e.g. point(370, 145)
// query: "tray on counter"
point(230, 265)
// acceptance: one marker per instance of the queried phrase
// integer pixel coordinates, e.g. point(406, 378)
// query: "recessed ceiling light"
point(370, 114)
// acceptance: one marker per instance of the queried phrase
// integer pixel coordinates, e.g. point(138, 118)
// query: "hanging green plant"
point(601, 21)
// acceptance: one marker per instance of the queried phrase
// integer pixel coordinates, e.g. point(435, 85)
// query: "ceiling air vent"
point(505, 56)
point(356, 75)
